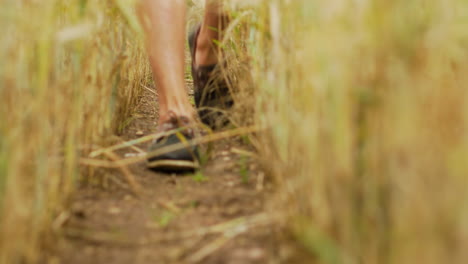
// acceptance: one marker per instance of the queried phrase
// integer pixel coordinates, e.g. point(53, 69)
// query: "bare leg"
point(164, 23)
point(213, 24)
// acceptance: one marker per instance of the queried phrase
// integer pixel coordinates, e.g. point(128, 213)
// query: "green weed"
point(199, 177)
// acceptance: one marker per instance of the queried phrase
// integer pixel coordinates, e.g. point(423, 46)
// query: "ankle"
point(206, 52)
point(165, 116)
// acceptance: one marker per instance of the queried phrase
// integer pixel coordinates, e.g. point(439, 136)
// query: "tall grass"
point(365, 105)
point(70, 72)
point(363, 101)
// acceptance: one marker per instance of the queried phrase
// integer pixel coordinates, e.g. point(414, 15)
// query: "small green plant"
point(205, 156)
point(194, 204)
point(245, 140)
point(243, 169)
point(165, 218)
point(199, 177)
point(125, 124)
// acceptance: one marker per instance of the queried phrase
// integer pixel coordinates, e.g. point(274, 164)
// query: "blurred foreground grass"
point(364, 102)
point(70, 71)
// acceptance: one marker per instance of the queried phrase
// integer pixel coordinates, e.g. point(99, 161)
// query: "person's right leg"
point(214, 21)
point(212, 94)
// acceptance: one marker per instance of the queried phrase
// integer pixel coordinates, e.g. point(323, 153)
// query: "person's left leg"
point(164, 24)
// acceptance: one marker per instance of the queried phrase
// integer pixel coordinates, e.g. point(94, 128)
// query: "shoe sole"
point(173, 165)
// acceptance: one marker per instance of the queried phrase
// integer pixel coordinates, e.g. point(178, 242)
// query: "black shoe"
point(185, 159)
point(212, 94)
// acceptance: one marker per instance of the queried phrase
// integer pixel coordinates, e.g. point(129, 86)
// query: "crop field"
point(352, 114)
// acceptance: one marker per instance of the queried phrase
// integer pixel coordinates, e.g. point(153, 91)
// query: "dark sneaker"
point(212, 94)
point(186, 159)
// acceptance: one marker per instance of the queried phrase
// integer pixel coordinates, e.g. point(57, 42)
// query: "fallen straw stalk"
point(126, 144)
point(228, 229)
point(134, 160)
point(134, 186)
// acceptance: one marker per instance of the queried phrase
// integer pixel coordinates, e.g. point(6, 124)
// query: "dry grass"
point(70, 73)
point(363, 102)
point(365, 105)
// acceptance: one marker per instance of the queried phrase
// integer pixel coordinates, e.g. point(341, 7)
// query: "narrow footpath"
point(217, 215)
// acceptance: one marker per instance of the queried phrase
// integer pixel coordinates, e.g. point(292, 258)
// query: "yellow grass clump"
point(365, 106)
point(70, 72)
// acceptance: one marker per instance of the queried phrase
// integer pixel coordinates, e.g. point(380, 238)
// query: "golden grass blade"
point(135, 187)
point(127, 144)
point(134, 160)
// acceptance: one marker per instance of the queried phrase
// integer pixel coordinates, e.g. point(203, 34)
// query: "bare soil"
point(215, 216)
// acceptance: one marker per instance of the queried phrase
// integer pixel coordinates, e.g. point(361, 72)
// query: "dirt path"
point(216, 216)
